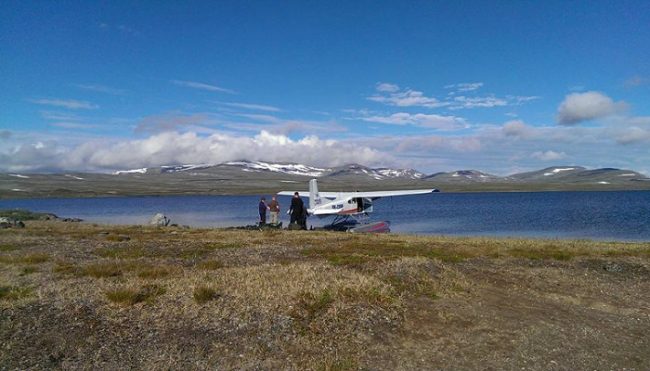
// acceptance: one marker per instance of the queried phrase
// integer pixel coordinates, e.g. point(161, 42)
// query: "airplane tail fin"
point(314, 198)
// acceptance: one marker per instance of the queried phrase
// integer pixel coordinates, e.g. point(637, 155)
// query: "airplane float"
point(350, 209)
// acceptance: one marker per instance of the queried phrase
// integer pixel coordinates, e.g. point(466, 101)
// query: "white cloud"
point(202, 86)
point(387, 88)
point(65, 103)
point(408, 98)
point(185, 148)
point(100, 89)
point(249, 106)
point(633, 135)
point(548, 155)
point(422, 120)
point(475, 102)
point(517, 129)
point(465, 86)
point(392, 95)
point(170, 122)
point(578, 107)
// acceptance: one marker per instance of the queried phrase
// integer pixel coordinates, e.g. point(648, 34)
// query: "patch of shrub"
point(130, 296)
point(211, 265)
point(122, 252)
point(27, 259)
point(14, 292)
point(5, 247)
point(203, 294)
point(153, 272)
point(28, 270)
point(100, 270)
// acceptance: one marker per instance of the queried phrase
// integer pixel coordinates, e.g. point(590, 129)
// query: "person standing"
point(274, 210)
point(262, 208)
point(296, 209)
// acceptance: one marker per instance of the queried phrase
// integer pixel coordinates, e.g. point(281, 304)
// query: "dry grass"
point(131, 296)
point(203, 294)
point(205, 298)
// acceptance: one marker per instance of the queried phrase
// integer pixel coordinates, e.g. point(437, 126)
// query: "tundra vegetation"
point(73, 295)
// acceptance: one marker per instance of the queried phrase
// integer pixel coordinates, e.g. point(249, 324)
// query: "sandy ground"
point(79, 296)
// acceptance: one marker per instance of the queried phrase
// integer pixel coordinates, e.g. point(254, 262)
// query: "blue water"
point(575, 215)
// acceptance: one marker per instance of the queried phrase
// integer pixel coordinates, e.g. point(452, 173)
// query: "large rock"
point(11, 223)
point(160, 220)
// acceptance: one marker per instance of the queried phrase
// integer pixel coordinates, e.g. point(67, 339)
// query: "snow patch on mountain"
point(293, 169)
point(132, 171)
point(559, 170)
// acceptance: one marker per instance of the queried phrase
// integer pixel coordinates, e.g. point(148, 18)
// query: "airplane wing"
point(290, 193)
point(372, 194)
point(380, 194)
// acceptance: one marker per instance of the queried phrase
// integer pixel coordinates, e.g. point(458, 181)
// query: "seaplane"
point(350, 209)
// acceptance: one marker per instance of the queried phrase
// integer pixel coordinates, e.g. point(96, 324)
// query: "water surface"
point(575, 215)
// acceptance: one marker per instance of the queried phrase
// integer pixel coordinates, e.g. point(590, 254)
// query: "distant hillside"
point(255, 177)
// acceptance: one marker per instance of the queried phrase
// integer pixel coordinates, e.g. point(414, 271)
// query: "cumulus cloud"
point(5, 134)
point(633, 135)
point(548, 155)
point(579, 107)
point(170, 148)
point(517, 129)
point(201, 86)
point(422, 120)
point(65, 103)
point(387, 88)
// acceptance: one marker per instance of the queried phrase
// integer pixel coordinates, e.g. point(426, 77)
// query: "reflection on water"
point(588, 215)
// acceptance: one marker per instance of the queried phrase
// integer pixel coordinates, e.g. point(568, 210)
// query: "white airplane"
point(344, 205)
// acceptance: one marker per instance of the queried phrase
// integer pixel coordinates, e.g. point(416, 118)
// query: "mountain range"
point(241, 177)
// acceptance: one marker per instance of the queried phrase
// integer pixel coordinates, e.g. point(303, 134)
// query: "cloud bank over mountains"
point(433, 134)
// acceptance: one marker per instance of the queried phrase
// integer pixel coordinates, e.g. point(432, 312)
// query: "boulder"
point(160, 220)
point(10, 223)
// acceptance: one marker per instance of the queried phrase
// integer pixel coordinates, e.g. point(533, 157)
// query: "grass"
point(204, 294)
point(131, 296)
point(14, 292)
point(6, 247)
point(21, 214)
point(210, 265)
point(154, 272)
point(36, 258)
point(28, 270)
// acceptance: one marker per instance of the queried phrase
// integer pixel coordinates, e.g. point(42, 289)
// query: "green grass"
point(204, 294)
point(21, 214)
point(14, 292)
point(131, 296)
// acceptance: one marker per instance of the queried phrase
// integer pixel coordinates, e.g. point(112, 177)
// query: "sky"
point(496, 86)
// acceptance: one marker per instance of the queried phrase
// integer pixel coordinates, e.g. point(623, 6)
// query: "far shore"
point(80, 295)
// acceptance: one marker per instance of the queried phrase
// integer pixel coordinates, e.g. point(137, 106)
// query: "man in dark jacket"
point(262, 208)
point(297, 208)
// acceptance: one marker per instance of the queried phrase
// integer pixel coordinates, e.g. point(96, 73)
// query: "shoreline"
point(77, 295)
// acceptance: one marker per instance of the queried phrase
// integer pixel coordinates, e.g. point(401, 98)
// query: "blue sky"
point(497, 86)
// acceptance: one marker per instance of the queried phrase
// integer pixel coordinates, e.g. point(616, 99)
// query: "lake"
point(621, 216)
